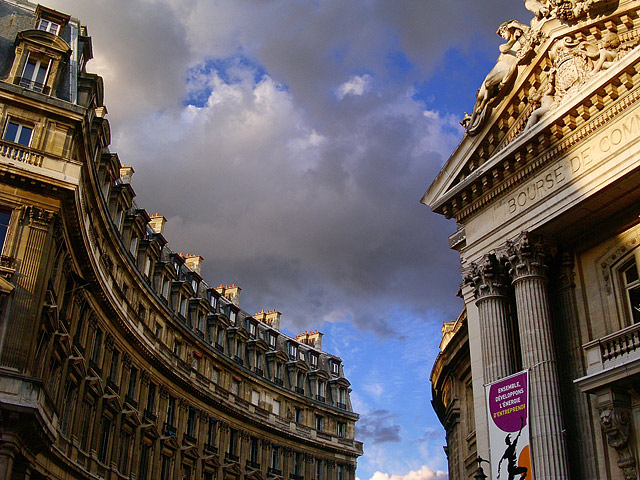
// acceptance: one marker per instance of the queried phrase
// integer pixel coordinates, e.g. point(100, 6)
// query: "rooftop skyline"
point(289, 144)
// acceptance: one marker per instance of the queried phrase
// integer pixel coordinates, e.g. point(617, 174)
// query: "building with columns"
point(117, 359)
point(545, 191)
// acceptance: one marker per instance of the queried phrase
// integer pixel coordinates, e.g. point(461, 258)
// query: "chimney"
point(194, 262)
point(157, 223)
point(126, 173)
point(271, 318)
point(313, 339)
point(231, 293)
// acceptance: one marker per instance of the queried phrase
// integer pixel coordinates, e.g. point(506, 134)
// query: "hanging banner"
point(508, 405)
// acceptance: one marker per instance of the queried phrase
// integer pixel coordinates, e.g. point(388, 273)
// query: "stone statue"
point(545, 99)
point(607, 53)
point(539, 9)
point(510, 56)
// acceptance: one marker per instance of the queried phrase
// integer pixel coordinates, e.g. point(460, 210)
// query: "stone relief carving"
point(566, 10)
point(617, 428)
point(520, 41)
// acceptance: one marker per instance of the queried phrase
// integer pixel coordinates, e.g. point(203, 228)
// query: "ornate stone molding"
point(527, 256)
point(40, 218)
point(488, 277)
point(616, 425)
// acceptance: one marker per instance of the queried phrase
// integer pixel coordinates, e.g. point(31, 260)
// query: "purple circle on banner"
point(508, 402)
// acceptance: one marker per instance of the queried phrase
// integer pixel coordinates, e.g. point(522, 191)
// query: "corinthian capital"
point(527, 256)
point(488, 277)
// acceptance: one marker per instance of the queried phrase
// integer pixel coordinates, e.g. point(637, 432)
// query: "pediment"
point(232, 469)
point(255, 475)
point(571, 75)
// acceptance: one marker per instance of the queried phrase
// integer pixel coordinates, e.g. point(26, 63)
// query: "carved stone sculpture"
point(512, 52)
point(617, 428)
point(545, 99)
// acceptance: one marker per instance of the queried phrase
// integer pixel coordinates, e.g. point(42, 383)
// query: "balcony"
point(219, 347)
point(320, 398)
point(238, 359)
point(232, 457)
point(251, 464)
point(113, 386)
point(149, 415)
point(299, 390)
point(200, 333)
point(259, 371)
point(341, 405)
point(93, 365)
point(190, 439)
point(129, 400)
point(31, 84)
point(611, 358)
point(209, 448)
point(275, 471)
point(294, 476)
point(278, 381)
point(169, 429)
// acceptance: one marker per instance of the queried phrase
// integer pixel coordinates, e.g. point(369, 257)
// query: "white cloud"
point(356, 86)
point(425, 473)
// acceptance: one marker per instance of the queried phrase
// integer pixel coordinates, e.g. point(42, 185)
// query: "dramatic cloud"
point(425, 473)
point(377, 427)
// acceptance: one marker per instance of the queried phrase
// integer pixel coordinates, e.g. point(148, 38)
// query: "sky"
point(289, 144)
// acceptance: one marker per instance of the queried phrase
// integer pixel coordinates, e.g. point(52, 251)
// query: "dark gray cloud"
point(377, 427)
point(299, 179)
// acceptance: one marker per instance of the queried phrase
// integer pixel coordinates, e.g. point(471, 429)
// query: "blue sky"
point(288, 143)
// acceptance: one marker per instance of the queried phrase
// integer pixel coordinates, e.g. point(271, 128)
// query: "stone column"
point(529, 275)
point(570, 367)
point(33, 258)
point(491, 283)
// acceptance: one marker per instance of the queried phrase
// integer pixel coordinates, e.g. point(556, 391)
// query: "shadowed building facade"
point(117, 359)
point(545, 191)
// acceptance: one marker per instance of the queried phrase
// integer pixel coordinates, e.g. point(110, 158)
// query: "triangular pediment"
point(569, 74)
point(232, 468)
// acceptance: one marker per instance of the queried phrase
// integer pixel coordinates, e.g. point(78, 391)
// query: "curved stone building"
point(117, 359)
point(545, 191)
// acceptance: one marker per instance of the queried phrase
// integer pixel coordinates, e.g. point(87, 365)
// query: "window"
point(297, 463)
point(335, 368)
point(123, 460)
point(133, 248)
point(313, 360)
point(191, 422)
point(215, 375)
point(272, 339)
point(133, 379)
point(253, 451)
point(151, 397)
point(340, 472)
point(158, 331)
point(97, 347)
point(293, 351)
point(48, 26)
point(318, 469)
point(165, 468)
point(298, 414)
point(34, 74)
point(319, 423)
point(255, 397)
point(233, 441)
point(4, 227)
point(276, 407)
point(104, 439)
point(275, 457)
point(113, 374)
point(18, 133)
point(143, 470)
point(147, 266)
point(631, 283)
point(177, 348)
point(211, 431)
point(212, 302)
point(171, 410)
point(235, 387)
point(341, 429)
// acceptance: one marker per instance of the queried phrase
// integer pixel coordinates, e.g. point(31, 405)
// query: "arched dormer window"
point(39, 60)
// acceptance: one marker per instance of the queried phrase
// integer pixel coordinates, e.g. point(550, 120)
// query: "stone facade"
point(117, 359)
point(544, 189)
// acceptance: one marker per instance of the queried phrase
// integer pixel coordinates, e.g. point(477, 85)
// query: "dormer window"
point(48, 26)
point(293, 351)
point(34, 74)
